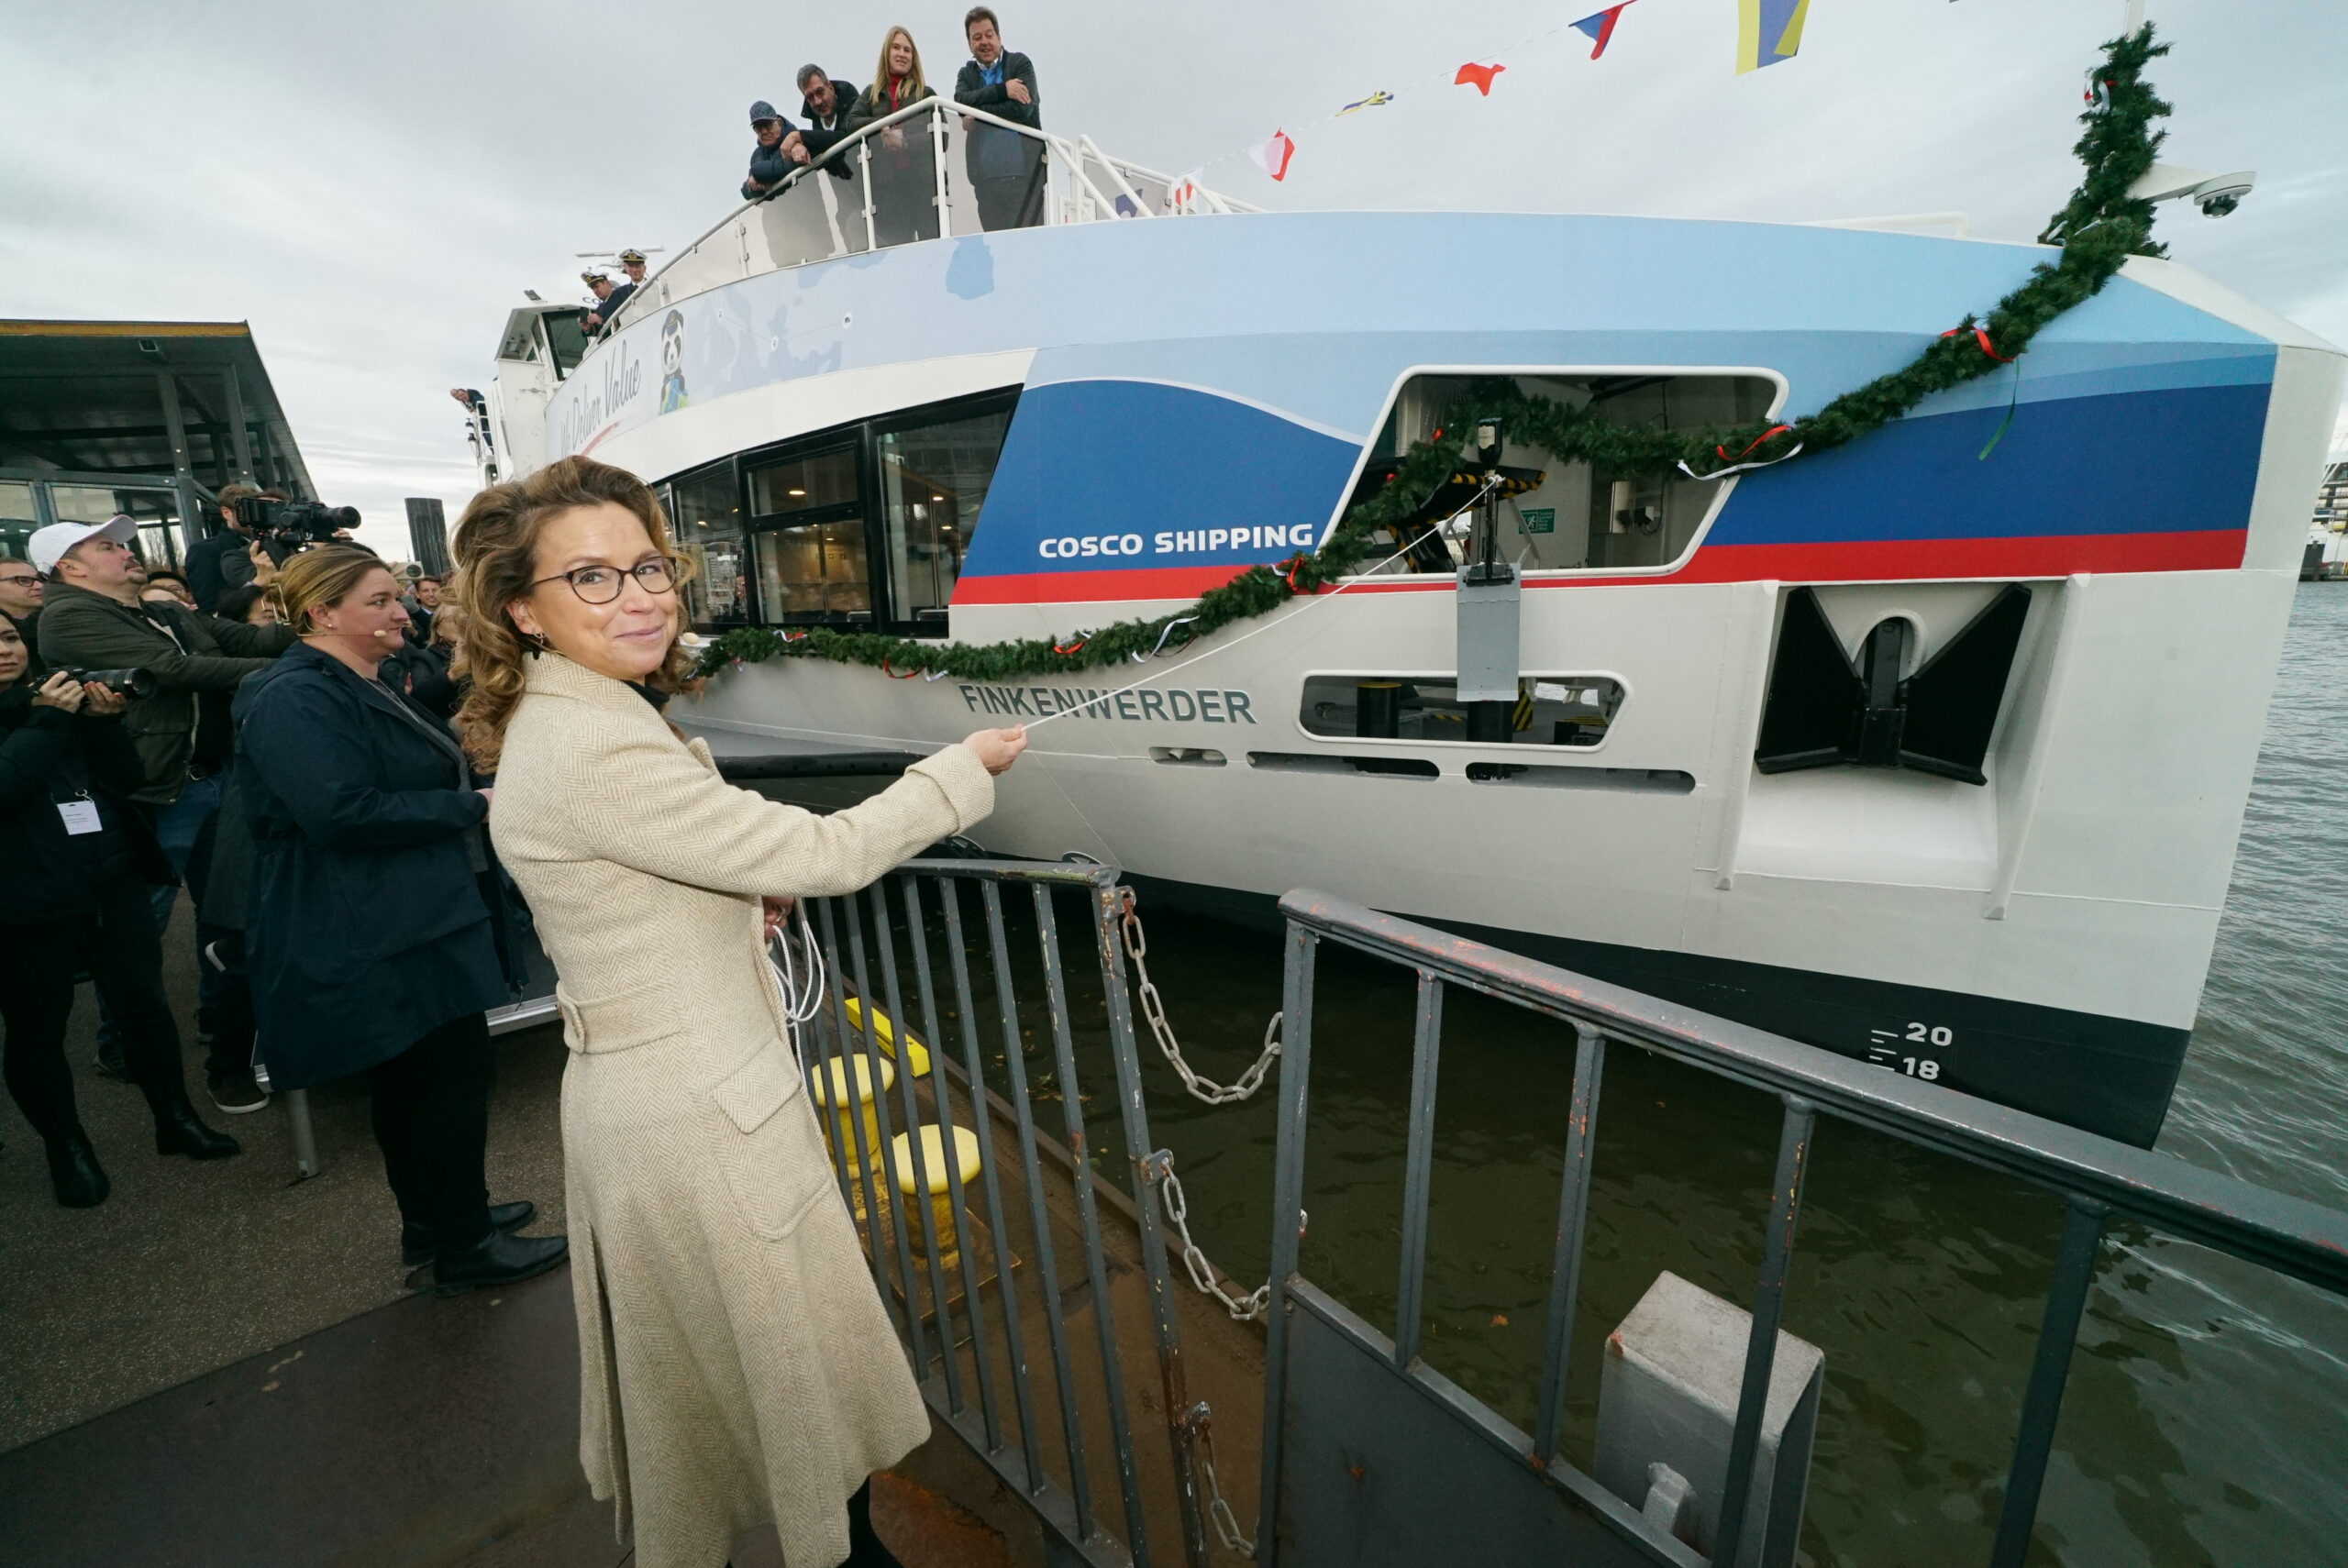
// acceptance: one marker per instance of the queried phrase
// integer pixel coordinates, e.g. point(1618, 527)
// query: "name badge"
point(81, 816)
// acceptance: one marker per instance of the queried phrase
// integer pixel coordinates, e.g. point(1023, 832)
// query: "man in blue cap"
point(779, 152)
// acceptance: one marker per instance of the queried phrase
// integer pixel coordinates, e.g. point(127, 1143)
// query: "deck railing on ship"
point(912, 176)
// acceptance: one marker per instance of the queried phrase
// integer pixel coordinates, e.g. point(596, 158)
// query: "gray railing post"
point(1768, 1306)
point(1096, 1266)
point(1573, 1218)
point(1287, 1214)
point(1426, 1049)
point(918, 1201)
point(1135, 1119)
point(2050, 1368)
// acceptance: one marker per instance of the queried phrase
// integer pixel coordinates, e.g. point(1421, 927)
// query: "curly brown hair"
point(497, 547)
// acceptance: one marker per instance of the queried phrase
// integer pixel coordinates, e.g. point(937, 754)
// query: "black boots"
point(178, 1130)
point(418, 1242)
point(75, 1172)
point(496, 1259)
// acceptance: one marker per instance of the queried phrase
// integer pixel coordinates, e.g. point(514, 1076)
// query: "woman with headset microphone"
point(368, 936)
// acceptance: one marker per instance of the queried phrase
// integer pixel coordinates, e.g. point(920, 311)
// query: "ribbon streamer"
point(1162, 636)
point(1980, 335)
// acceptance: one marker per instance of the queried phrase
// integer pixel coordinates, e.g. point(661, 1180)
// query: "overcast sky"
point(371, 187)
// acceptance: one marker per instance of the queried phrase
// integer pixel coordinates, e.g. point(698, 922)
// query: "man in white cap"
point(599, 283)
point(94, 619)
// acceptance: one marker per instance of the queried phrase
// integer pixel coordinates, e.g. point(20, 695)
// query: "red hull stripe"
point(1881, 560)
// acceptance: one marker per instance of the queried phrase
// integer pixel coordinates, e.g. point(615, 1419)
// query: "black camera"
point(130, 683)
point(285, 527)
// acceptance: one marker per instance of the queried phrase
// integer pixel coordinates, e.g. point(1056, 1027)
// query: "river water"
point(2207, 1417)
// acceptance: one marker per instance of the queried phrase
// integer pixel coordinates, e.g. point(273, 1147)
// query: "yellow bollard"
point(884, 1034)
point(844, 1087)
point(963, 1170)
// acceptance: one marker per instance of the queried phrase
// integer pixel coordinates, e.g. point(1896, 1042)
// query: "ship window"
point(1551, 710)
point(934, 478)
point(566, 339)
point(804, 484)
point(706, 520)
point(815, 569)
point(1567, 516)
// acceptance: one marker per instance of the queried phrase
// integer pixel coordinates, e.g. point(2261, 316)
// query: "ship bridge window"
point(566, 339)
point(1551, 710)
point(1567, 516)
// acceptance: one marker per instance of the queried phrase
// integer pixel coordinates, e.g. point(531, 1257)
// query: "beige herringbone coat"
point(737, 1363)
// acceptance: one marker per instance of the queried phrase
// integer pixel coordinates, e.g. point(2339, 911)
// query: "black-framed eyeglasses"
point(602, 584)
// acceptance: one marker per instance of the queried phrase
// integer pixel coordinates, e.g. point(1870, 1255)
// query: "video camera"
point(286, 526)
point(131, 683)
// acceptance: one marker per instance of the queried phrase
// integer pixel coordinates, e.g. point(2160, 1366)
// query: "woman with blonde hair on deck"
point(737, 1364)
point(904, 168)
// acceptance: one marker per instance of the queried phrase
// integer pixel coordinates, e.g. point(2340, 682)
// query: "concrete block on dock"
point(1667, 1405)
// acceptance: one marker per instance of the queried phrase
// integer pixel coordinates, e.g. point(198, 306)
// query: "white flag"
point(1272, 156)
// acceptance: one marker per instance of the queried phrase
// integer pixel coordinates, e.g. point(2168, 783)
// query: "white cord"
point(1433, 528)
point(790, 961)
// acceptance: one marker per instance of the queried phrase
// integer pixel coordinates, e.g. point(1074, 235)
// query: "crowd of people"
point(268, 729)
point(1005, 169)
point(299, 752)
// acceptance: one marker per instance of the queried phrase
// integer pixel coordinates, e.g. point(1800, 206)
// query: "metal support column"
point(2050, 1368)
point(239, 436)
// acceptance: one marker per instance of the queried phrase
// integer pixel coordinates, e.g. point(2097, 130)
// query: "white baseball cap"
point(49, 545)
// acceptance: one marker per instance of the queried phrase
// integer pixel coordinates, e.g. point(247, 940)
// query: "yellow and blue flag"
point(1767, 31)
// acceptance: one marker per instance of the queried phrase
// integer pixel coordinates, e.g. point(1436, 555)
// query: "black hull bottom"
point(2109, 1076)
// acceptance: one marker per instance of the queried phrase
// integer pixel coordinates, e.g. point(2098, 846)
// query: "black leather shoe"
point(73, 1170)
point(499, 1259)
point(183, 1132)
point(416, 1242)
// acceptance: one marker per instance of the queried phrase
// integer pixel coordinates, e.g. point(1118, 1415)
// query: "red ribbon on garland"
point(1722, 452)
point(893, 675)
point(1980, 335)
point(1064, 649)
point(1289, 576)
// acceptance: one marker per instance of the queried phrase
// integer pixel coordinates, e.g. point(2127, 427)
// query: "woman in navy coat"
point(370, 937)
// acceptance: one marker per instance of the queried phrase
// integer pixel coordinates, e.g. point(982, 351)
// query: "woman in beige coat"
point(737, 1363)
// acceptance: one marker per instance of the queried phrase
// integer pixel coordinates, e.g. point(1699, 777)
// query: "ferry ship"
point(2048, 603)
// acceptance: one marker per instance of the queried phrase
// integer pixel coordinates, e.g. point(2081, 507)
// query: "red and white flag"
point(1185, 190)
point(1272, 156)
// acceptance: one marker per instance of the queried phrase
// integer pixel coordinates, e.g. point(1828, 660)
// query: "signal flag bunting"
point(1600, 27)
point(1272, 156)
point(1478, 76)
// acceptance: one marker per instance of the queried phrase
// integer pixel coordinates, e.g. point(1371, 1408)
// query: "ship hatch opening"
point(1565, 516)
point(1826, 707)
point(1551, 710)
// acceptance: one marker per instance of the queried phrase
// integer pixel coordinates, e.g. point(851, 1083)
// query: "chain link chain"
point(1177, 1207)
point(1152, 1008)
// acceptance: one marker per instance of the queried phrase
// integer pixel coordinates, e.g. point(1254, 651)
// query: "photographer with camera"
point(95, 621)
point(76, 861)
point(226, 560)
point(370, 922)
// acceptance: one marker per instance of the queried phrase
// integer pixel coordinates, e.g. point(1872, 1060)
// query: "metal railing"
point(966, 1301)
point(2096, 1179)
point(913, 176)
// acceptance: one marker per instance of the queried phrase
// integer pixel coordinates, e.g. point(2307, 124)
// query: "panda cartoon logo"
point(673, 362)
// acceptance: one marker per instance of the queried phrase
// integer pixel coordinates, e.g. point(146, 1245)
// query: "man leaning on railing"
point(1006, 168)
point(824, 101)
point(779, 154)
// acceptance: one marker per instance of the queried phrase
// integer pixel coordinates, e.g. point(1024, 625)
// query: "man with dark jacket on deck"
point(778, 155)
point(94, 619)
point(1006, 168)
point(824, 100)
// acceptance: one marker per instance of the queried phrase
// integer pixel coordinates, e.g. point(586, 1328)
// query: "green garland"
point(2098, 229)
